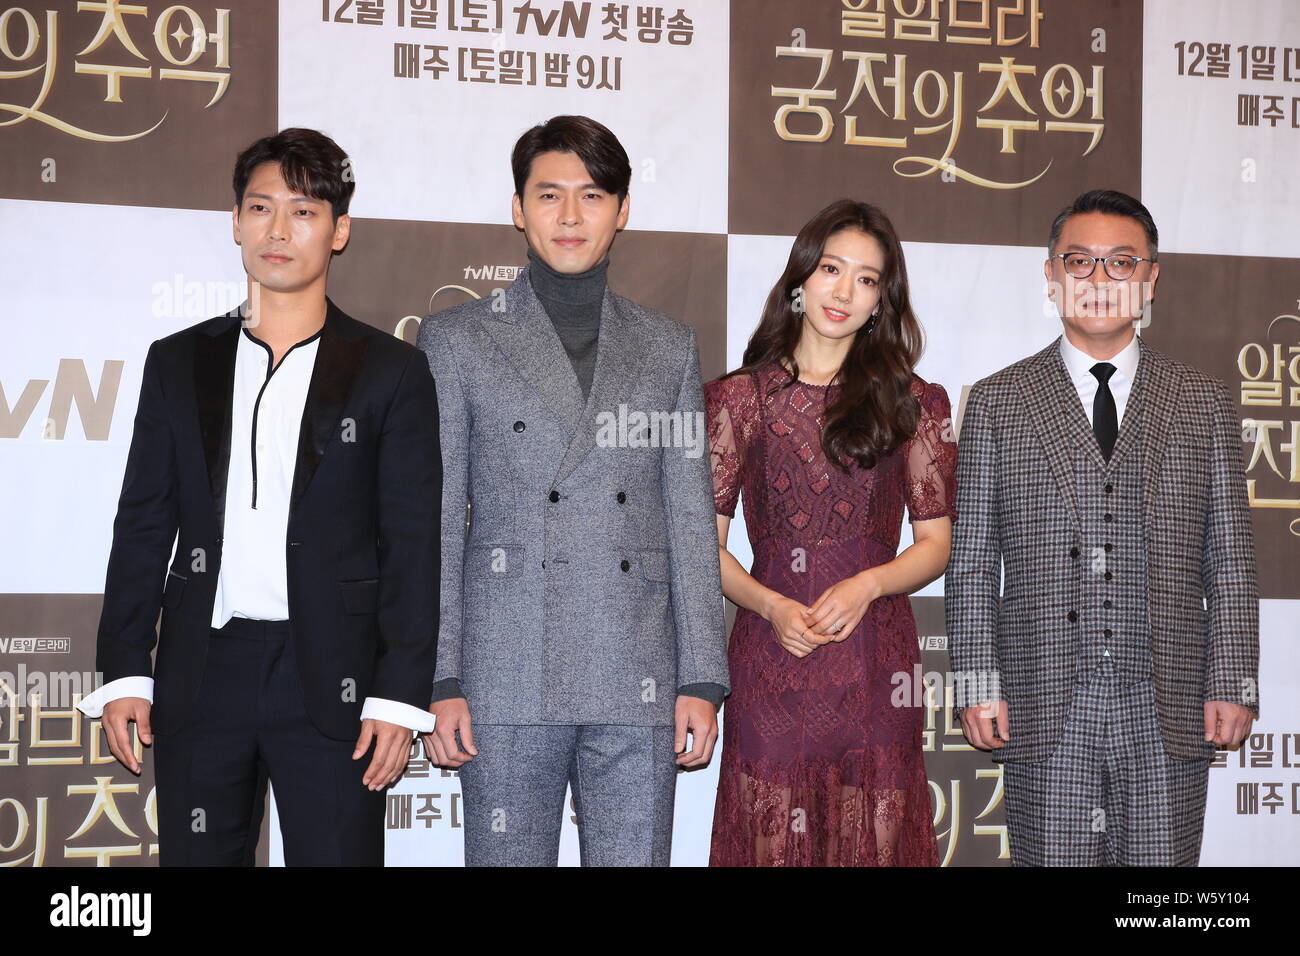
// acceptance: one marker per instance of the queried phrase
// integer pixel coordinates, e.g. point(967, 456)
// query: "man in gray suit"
point(582, 616)
point(1105, 481)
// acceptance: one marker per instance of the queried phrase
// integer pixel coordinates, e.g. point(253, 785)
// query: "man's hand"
point(1227, 724)
point(700, 717)
point(392, 746)
point(841, 606)
point(977, 722)
point(789, 625)
point(117, 714)
point(450, 717)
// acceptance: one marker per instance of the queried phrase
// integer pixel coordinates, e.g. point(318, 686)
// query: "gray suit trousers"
point(624, 779)
point(1109, 795)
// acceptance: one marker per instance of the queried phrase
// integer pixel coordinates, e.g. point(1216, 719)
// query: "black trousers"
point(249, 725)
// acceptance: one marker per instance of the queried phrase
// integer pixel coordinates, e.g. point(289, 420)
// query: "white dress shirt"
point(1079, 363)
point(252, 582)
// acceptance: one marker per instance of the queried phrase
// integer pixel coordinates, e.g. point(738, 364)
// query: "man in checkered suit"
point(1105, 481)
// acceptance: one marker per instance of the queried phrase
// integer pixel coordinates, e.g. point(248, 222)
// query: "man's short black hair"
point(310, 162)
point(1109, 201)
point(593, 143)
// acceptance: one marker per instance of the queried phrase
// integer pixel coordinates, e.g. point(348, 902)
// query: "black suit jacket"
point(363, 541)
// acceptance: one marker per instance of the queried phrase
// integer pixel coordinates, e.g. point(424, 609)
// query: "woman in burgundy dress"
point(829, 434)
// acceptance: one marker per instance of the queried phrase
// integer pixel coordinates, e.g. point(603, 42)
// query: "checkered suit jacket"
point(1019, 512)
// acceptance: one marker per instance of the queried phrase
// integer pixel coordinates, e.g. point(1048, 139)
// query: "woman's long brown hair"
point(874, 412)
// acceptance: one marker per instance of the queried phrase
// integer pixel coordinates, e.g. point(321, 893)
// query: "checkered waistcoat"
point(1109, 562)
point(1031, 508)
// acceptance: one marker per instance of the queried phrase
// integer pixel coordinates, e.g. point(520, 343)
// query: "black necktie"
point(1105, 420)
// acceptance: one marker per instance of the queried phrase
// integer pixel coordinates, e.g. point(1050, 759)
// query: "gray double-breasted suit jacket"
point(580, 574)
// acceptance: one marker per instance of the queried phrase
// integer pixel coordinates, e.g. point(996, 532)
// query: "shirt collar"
point(251, 344)
point(1079, 363)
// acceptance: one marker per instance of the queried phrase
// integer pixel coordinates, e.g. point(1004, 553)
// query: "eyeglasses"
point(1118, 266)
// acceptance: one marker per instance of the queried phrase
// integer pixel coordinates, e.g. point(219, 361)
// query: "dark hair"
point(875, 411)
point(598, 148)
point(310, 162)
point(1108, 201)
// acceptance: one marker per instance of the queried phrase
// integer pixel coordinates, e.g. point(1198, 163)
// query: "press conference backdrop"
point(972, 122)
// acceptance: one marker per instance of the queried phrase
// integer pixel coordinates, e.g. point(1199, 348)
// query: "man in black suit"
point(296, 452)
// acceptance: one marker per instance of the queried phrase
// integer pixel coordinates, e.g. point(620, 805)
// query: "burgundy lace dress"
point(818, 767)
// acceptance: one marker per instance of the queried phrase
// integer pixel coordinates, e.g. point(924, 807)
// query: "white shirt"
point(1079, 366)
point(253, 582)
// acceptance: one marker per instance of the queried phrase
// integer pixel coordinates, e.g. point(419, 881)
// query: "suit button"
point(543, 565)
point(520, 426)
point(1108, 517)
point(1074, 552)
point(621, 497)
point(293, 544)
point(1106, 632)
point(625, 565)
point(1109, 489)
point(1108, 575)
point(1106, 605)
point(555, 496)
point(1072, 616)
point(1109, 547)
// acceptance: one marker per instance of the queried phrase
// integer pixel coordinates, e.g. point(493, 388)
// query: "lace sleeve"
point(725, 402)
point(931, 457)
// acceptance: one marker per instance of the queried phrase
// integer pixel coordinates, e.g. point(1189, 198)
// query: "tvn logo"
point(35, 645)
point(132, 910)
point(71, 387)
point(495, 273)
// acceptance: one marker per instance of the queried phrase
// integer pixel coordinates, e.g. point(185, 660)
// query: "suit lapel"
point(525, 333)
point(528, 338)
point(1156, 386)
point(620, 354)
point(1054, 410)
point(214, 384)
point(338, 361)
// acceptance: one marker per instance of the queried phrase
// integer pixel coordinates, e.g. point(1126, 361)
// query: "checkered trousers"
point(1109, 795)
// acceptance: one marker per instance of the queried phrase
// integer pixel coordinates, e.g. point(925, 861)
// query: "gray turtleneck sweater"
point(572, 300)
point(573, 303)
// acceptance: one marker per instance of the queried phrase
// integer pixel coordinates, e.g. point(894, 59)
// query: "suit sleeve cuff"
point(446, 689)
point(92, 705)
point(395, 712)
point(713, 693)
